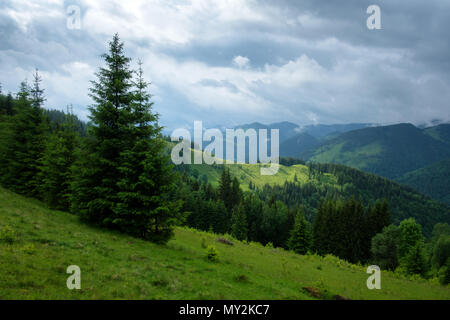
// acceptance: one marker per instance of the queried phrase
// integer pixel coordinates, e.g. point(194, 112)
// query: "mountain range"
point(415, 156)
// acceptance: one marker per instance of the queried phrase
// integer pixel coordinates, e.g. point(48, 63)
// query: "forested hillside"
point(433, 180)
point(308, 185)
point(389, 151)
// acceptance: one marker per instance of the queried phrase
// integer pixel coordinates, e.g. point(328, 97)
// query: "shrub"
point(212, 254)
point(28, 248)
point(241, 278)
point(204, 244)
point(7, 234)
point(444, 273)
point(415, 261)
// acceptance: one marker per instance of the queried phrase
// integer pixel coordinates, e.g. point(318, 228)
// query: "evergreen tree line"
point(113, 173)
point(404, 202)
point(342, 228)
point(345, 228)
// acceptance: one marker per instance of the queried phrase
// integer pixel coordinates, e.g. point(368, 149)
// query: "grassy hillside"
point(115, 266)
point(389, 151)
point(433, 180)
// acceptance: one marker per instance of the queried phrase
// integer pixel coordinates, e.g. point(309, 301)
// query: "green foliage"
point(389, 151)
point(438, 230)
point(444, 273)
point(441, 251)
point(415, 261)
point(229, 191)
point(98, 170)
point(204, 243)
point(345, 228)
point(239, 226)
point(124, 179)
point(28, 248)
point(410, 236)
point(431, 180)
point(300, 236)
point(384, 248)
point(56, 165)
point(212, 254)
point(25, 143)
point(7, 234)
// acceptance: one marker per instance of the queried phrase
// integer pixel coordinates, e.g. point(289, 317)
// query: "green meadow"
point(37, 245)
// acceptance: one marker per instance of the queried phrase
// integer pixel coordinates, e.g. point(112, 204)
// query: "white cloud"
point(241, 62)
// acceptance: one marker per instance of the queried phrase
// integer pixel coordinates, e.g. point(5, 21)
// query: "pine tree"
point(239, 226)
point(95, 189)
point(225, 190)
point(236, 193)
point(124, 180)
point(300, 237)
point(57, 164)
point(26, 144)
point(220, 221)
point(415, 260)
point(143, 207)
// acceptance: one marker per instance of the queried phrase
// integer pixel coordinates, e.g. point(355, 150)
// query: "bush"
point(204, 244)
point(441, 251)
point(415, 261)
point(212, 254)
point(7, 234)
point(28, 248)
point(444, 273)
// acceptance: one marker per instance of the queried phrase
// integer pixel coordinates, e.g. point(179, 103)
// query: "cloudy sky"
point(230, 62)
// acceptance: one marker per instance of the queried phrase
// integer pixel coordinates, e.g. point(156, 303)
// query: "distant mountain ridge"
point(389, 151)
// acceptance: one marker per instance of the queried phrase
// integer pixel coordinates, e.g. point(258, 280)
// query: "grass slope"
point(116, 266)
point(247, 173)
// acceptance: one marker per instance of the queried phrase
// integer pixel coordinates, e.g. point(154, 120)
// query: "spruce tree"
point(239, 226)
point(225, 190)
point(26, 144)
point(95, 189)
point(236, 193)
point(300, 237)
point(146, 176)
point(415, 261)
point(124, 180)
point(57, 164)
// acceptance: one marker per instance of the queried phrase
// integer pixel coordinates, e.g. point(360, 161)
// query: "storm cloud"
point(232, 62)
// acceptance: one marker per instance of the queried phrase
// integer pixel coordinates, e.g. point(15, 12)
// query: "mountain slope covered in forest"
point(389, 151)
